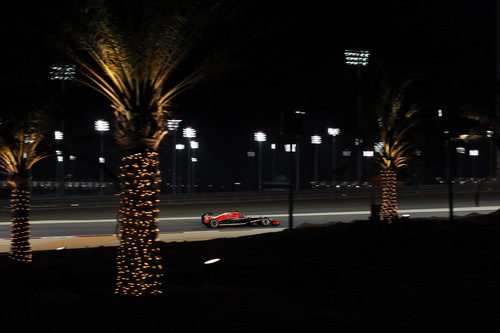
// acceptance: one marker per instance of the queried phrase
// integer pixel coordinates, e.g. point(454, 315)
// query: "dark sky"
point(290, 57)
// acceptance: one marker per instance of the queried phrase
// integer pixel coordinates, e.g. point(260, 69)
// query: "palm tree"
point(397, 118)
point(132, 60)
point(19, 152)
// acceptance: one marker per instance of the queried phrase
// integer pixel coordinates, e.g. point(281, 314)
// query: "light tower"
point(333, 132)
point(260, 137)
point(101, 126)
point(173, 126)
point(189, 133)
point(316, 141)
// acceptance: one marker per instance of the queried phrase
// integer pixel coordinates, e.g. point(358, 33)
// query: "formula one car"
point(235, 218)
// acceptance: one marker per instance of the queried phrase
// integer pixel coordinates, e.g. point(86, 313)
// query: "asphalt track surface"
point(89, 221)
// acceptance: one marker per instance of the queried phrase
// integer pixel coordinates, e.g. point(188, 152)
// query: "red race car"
point(235, 218)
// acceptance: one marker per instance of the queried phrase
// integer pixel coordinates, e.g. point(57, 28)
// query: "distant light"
point(358, 141)
point(72, 157)
point(237, 183)
point(173, 124)
point(273, 146)
point(368, 153)
point(316, 139)
point(179, 146)
point(290, 148)
point(461, 150)
point(260, 136)
point(62, 72)
point(58, 152)
point(101, 125)
point(25, 155)
point(300, 112)
point(489, 133)
point(440, 113)
point(333, 131)
point(211, 261)
point(378, 146)
point(60, 158)
point(357, 57)
point(189, 132)
point(58, 135)
point(473, 152)
point(346, 153)
point(102, 160)
point(194, 144)
point(250, 153)
point(194, 159)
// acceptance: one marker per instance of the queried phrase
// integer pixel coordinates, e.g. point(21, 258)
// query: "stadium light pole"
point(101, 126)
point(173, 126)
point(273, 149)
point(460, 152)
point(194, 145)
point(260, 137)
point(179, 147)
point(316, 141)
point(359, 59)
point(58, 137)
point(189, 133)
point(333, 132)
point(474, 153)
point(62, 73)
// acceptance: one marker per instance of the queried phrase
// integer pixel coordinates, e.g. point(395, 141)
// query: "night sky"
point(288, 56)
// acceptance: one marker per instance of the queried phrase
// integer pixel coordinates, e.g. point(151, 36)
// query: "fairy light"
point(138, 259)
point(20, 232)
point(389, 208)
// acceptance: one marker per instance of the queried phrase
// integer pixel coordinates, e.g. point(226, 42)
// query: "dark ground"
point(420, 275)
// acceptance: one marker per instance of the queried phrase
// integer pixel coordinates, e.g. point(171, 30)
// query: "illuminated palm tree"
point(396, 119)
point(19, 152)
point(134, 63)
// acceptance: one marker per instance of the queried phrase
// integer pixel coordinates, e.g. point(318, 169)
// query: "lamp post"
point(273, 149)
point(316, 141)
point(368, 154)
point(460, 152)
point(359, 59)
point(173, 126)
point(101, 126)
point(333, 132)
point(291, 149)
point(260, 137)
point(346, 154)
point(189, 133)
point(474, 153)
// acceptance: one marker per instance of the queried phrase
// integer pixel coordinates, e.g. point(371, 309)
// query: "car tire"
point(213, 223)
point(265, 222)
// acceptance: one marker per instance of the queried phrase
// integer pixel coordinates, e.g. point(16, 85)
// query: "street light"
point(173, 126)
point(101, 126)
point(333, 132)
point(260, 137)
point(316, 141)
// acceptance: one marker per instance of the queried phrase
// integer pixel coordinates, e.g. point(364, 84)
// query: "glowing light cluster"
point(20, 233)
point(138, 259)
point(62, 72)
point(260, 136)
point(357, 57)
point(389, 209)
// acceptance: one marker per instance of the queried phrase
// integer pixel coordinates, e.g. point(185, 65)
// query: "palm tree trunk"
point(138, 258)
point(389, 210)
point(20, 201)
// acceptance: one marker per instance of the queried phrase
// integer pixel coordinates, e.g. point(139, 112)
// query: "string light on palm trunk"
point(138, 260)
point(20, 233)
